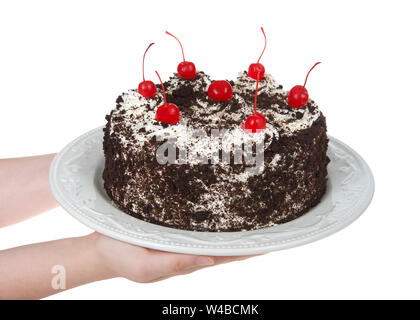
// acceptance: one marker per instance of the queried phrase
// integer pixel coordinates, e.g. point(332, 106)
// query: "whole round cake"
point(195, 174)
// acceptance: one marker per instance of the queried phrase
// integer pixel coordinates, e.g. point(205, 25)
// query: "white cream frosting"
point(139, 113)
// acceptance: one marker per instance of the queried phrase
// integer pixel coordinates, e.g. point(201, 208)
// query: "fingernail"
point(204, 261)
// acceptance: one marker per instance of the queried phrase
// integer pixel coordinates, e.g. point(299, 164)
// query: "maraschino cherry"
point(186, 69)
point(147, 88)
point(220, 90)
point(256, 70)
point(255, 121)
point(298, 95)
point(167, 113)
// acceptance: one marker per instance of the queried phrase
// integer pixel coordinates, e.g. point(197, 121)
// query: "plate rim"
point(218, 250)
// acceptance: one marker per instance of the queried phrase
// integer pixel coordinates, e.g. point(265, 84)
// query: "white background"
point(63, 63)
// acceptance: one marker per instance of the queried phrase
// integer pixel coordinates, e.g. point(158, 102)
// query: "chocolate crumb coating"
point(221, 196)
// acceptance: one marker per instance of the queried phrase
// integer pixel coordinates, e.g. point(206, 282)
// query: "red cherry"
point(255, 121)
point(256, 70)
point(186, 69)
point(147, 88)
point(167, 113)
point(220, 90)
point(298, 96)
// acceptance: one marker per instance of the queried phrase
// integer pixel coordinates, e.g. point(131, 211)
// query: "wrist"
point(96, 257)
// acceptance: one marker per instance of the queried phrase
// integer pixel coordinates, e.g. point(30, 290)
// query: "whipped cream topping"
point(137, 114)
point(268, 85)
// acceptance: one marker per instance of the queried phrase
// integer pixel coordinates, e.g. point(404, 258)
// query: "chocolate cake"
point(201, 193)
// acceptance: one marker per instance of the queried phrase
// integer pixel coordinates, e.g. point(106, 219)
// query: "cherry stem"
point(163, 88)
point(182, 49)
point(256, 95)
point(306, 79)
point(144, 55)
point(265, 45)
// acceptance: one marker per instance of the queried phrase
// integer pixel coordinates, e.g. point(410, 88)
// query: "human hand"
point(147, 265)
point(26, 271)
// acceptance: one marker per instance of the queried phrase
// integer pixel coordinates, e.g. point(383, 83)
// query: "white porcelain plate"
point(76, 181)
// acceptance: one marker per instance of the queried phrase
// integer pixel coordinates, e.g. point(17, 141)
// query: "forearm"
point(39, 270)
point(24, 188)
